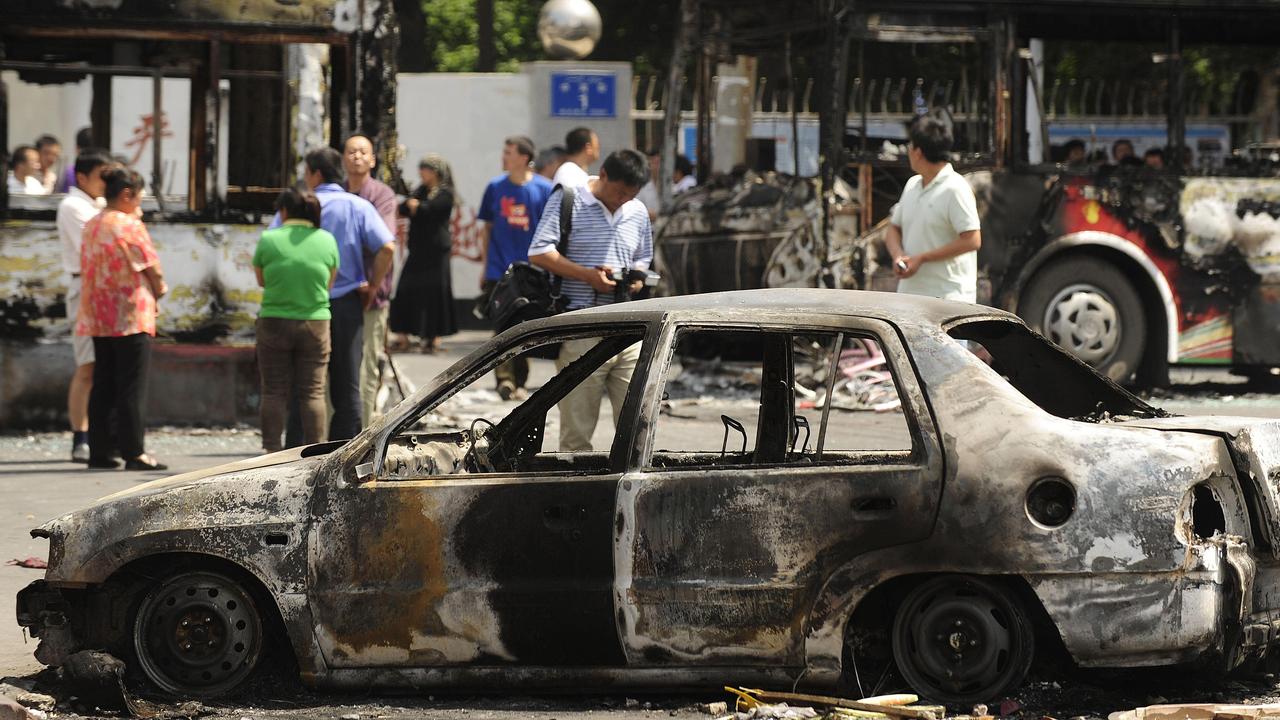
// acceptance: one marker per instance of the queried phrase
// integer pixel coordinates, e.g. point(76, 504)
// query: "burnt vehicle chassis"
point(1025, 510)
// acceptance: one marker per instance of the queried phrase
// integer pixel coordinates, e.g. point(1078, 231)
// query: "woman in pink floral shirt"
point(120, 283)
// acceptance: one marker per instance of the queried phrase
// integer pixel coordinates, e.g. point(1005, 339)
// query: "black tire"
point(961, 640)
point(197, 634)
point(1079, 293)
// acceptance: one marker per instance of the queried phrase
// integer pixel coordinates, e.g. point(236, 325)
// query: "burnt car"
point(857, 486)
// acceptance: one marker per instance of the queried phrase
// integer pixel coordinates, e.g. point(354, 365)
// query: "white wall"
point(59, 110)
point(465, 118)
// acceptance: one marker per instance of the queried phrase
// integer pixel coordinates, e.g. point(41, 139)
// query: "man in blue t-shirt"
point(511, 208)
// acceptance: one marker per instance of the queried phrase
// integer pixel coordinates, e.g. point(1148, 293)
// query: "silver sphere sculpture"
point(569, 29)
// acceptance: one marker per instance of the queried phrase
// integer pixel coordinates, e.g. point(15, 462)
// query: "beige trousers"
point(375, 340)
point(580, 409)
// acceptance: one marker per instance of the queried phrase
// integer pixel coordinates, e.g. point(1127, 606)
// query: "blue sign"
point(585, 95)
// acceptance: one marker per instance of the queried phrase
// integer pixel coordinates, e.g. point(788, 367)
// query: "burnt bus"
point(214, 103)
point(1170, 255)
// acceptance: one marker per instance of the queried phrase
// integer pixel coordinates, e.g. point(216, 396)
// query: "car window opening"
point(448, 438)
point(768, 398)
point(1046, 375)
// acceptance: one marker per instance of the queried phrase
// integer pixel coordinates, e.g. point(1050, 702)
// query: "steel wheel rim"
point(960, 639)
point(1083, 319)
point(197, 634)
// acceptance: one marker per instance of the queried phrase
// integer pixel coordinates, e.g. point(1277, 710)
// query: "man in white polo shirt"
point(934, 232)
point(582, 148)
point(83, 201)
point(610, 229)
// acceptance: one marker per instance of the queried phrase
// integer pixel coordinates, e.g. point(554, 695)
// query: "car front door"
point(732, 525)
point(445, 557)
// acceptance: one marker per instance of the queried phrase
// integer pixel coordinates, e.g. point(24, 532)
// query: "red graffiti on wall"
point(467, 232)
point(146, 133)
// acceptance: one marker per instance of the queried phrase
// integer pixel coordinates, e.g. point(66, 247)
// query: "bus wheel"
point(1090, 309)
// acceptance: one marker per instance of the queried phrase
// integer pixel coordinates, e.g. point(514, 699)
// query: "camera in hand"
point(626, 278)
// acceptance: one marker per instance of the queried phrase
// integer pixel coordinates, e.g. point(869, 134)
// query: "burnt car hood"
point(191, 512)
point(1255, 452)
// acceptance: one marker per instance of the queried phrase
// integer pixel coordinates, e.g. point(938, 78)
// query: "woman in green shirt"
point(296, 264)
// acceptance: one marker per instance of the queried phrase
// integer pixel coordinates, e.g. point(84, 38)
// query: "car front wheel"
point(197, 634)
point(962, 640)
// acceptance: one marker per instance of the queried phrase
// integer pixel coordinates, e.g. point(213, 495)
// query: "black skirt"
point(423, 304)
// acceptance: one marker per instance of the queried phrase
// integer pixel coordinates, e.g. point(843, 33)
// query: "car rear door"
point(721, 552)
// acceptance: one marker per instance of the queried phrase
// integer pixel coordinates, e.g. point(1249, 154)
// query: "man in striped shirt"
point(610, 229)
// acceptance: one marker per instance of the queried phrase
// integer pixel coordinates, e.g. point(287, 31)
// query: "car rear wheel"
point(197, 634)
point(1090, 309)
point(962, 640)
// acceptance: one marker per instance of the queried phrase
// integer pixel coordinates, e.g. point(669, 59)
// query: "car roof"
point(803, 303)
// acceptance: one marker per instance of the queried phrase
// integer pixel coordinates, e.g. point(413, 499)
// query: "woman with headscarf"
point(423, 304)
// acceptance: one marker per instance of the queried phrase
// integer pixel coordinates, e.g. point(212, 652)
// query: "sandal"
point(144, 462)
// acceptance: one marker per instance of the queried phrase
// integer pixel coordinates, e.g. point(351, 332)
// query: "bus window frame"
point(206, 200)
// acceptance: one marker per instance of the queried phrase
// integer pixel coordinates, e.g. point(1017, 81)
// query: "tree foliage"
point(452, 33)
point(640, 33)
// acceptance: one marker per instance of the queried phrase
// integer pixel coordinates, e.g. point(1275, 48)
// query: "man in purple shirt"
point(358, 160)
point(355, 224)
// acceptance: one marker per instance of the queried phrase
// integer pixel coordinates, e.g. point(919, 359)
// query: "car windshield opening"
point(1047, 375)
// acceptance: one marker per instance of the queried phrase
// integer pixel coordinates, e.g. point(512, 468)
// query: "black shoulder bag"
point(526, 292)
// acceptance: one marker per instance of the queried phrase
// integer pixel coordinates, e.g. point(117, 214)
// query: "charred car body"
point(996, 512)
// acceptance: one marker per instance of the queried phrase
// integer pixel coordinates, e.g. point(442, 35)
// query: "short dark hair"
point(523, 145)
point(628, 167)
point(120, 178)
point(84, 138)
point(300, 204)
point(1118, 143)
point(684, 164)
point(1072, 144)
point(19, 156)
point(1154, 152)
point(90, 159)
point(577, 140)
point(931, 133)
point(555, 153)
point(327, 162)
point(45, 140)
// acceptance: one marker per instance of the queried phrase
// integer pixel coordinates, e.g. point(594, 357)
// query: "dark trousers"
point(515, 370)
point(119, 392)
point(346, 341)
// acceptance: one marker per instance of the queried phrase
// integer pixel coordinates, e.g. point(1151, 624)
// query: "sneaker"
point(506, 389)
point(80, 452)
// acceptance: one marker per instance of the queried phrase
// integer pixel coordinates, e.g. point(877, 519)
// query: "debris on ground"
point(97, 678)
point(781, 711)
point(1198, 711)
point(27, 698)
point(714, 708)
point(32, 562)
point(900, 706)
point(11, 709)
